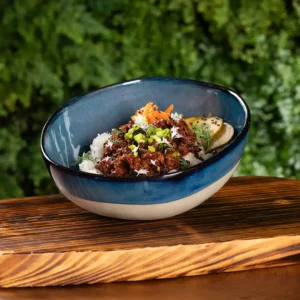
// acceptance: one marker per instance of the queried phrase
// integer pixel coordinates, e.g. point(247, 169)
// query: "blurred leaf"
point(51, 51)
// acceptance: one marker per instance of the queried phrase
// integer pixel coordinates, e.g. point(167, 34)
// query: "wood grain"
point(263, 284)
point(252, 222)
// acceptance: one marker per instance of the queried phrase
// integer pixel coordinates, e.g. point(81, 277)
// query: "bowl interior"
point(73, 127)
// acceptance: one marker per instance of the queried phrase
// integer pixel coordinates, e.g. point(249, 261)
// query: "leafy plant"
point(51, 51)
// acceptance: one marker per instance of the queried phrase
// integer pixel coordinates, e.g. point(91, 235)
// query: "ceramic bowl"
point(73, 126)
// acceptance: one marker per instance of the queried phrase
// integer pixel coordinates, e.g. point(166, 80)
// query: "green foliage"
point(51, 51)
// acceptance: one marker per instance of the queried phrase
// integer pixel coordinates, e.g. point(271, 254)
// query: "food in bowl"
point(155, 142)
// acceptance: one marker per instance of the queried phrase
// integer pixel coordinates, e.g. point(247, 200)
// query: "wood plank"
point(252, 222)
point(262, 284)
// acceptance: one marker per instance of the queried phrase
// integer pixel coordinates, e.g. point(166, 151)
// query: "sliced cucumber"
point(190, 120)
point(215, 124)
point(222, 138)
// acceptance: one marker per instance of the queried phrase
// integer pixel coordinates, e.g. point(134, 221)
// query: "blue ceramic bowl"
point(73, 126)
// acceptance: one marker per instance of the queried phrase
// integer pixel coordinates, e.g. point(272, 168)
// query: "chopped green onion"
point(176, 154)
point(162, 132)
point(140, 138)
point(151, 130)
point(128, 136)
point(132, 147)
point(136, 154)
point(151, 149)
point(156, 138)
point(133, 129)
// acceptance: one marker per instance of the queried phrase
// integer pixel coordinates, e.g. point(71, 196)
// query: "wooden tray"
point(252, 222)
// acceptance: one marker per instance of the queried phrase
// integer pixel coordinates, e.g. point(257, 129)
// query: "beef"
point(120, 161)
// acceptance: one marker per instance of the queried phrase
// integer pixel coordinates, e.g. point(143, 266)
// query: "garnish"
point(109, 143)
point(85, 156)
point(176, 116)
point(117, 131)
point(214, 124)
point(156, 138)
point(132, 147)
point(175, 134)
point(128, 136)
point(162, 132)
point(151, 130)
point(151, 113)
point(165, 142)
point(140, 138)
point(162, 147)
point(141, 121)
point(153, 162)
point(184, 164)
point(114, 140)
point(176, 154)
point(203, 134)
point(134, 150)
point(151, 149)
point(141, 172)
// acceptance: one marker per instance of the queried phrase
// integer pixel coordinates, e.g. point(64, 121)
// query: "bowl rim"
point(177, 174)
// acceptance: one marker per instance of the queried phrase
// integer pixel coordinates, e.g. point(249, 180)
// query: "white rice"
point(192, 159)
point(88, 166)
point(97, 147)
